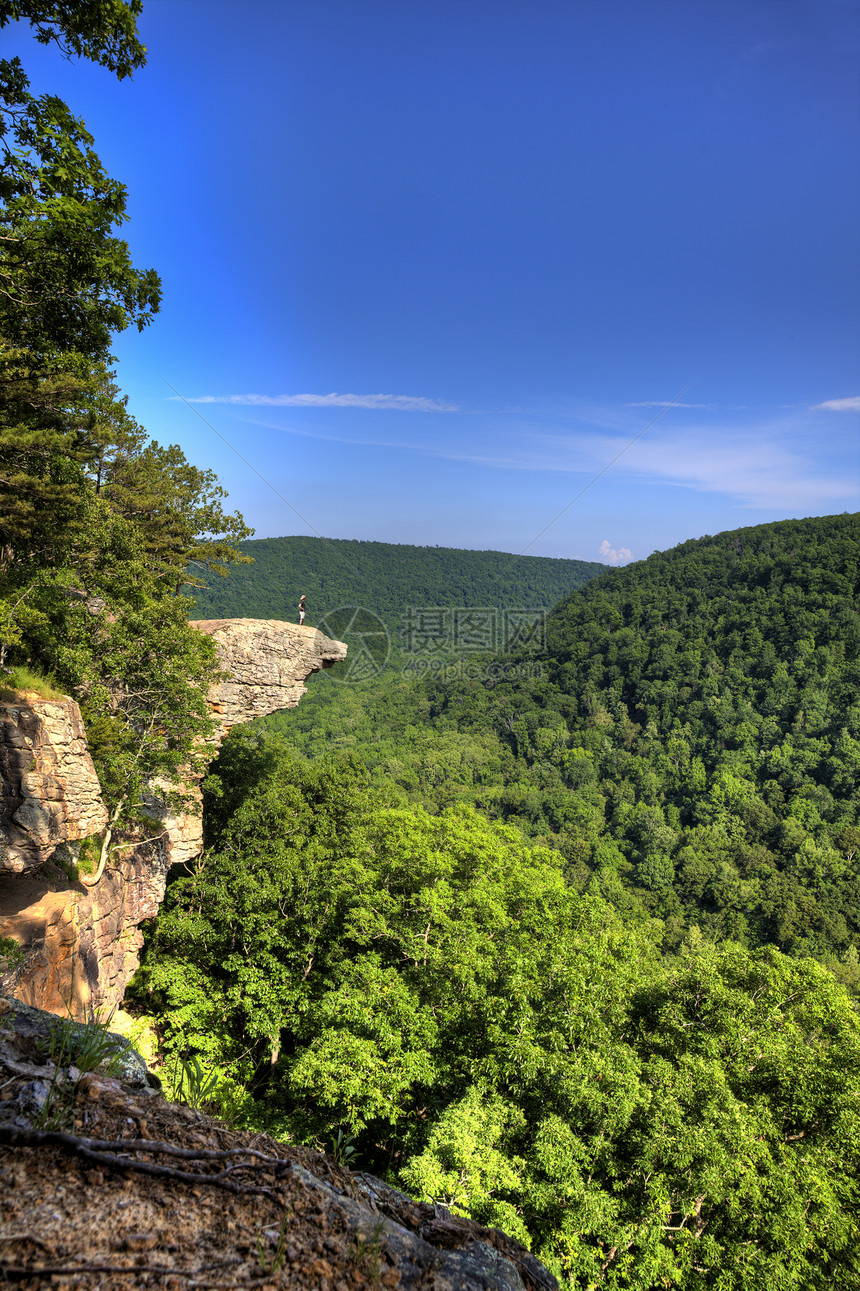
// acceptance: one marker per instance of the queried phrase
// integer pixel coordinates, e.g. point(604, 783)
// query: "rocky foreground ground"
point(104, 1183)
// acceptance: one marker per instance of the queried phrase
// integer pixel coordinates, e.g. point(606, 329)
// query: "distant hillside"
point(593, 1043)
point(690, 739)
point(385, 578)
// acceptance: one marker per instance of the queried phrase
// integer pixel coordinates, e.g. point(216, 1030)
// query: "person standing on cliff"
point(302, 609)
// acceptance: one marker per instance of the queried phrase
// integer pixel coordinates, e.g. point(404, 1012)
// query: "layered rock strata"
point(266, 663)
point(81, 944)
point(49, 790)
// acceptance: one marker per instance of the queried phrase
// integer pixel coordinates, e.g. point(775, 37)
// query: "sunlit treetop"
point(102, 30)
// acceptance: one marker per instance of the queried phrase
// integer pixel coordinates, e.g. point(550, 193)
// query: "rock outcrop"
point(165, 1211)
point(49, 791)
point(267, 662)
point(81, 944)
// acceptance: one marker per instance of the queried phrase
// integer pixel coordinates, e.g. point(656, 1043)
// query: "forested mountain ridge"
point(386, 578)
point(427, 993)
point(692, 745)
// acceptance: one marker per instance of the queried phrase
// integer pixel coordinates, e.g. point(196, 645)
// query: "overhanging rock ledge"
point(81, 944)
point(268, 662)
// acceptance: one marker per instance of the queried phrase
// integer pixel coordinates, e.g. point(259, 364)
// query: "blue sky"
point(429, 267)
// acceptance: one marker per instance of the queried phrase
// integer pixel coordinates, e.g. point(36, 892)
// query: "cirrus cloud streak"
point(666, 403)
point(396, 402)
point(840, 405)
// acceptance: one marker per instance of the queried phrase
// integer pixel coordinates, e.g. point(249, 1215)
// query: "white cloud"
point(615, 556)
point(839, 405)
point(761, 466)
point(397, 402)
point(775, 464)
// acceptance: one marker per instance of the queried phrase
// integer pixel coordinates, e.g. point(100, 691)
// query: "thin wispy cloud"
point(839, 405)
point(615, 555)
point(767, 468)
point(358, 440)
point(774, 464)
point(395, 402)
point(666, 403)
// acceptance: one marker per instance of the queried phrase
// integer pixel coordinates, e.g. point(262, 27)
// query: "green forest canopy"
point(386, 578)
point(691, 745)
point(512, 945)
point(544, 946)
point(489, 1038)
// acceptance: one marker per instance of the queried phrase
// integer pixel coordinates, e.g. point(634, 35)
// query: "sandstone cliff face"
point(267, 663)
point(50, 799)
point(49, 790)
point(82, 943)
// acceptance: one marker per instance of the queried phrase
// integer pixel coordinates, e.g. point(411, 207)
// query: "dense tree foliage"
point(68, 282)
point(102, 30)
point(692, 746)
point(499, 1042)
point(387, 578)
point(557, 1013)
point(97, 523)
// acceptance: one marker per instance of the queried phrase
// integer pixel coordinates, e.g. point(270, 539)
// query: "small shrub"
point(271, 1263)
point(366, 1254)
point(342, 1148)
point(11, 954)
point(89, 854)
point(87, 1046)
point(206, 1089)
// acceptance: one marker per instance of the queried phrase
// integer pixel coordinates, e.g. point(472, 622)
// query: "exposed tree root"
point(157, 1270)
point(104, 1152)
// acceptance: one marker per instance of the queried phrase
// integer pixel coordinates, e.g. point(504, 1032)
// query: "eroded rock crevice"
point(79, 945)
